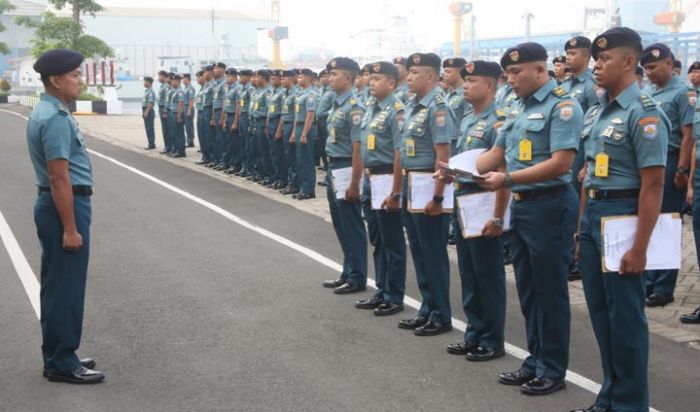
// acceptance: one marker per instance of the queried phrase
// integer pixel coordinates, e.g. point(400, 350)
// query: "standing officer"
point(425, 140)
point(452, 74)
point(231, 140)
point(677, 67)
point(480, 259)
point(218, 90)
point(199, 106)
point(694, 76)
point(274, 114)
point(672, 94)
point(259, 125)
point(582, 87)
point(401, 91)
point(538, 146)
point(343, 151)
point(303, 135)
point(165, 115)
point(380, 143)
point(242, 122)
point(62, 214)
point(625, 138)
point(149, 99)
point(284, 133)
point(205, 139)
point(325, 103)
point(559, 64)
point(189, 108)
point(176, 116)
point(162, 109)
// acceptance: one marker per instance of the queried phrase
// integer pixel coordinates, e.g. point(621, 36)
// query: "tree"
point(79, 7)
point(4, 6)
point(52, 32)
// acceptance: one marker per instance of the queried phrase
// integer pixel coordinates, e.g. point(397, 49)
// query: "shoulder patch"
point(647, 101)
point(559, 91)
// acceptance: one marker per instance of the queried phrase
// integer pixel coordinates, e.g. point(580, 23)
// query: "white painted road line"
point(25, 272)
point(573, 377)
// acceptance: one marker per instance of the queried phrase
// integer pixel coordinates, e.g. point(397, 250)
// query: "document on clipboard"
point(664, 250)
point(421, 189)
point(380, 186)
point(475, 210)
point(464, 165)
point(341, 179)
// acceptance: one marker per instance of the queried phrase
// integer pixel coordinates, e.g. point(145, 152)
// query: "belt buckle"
point(592, 194)
point(517, 196)
point(458, 186)
point(367, 171)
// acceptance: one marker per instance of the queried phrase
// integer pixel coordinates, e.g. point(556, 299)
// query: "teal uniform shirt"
point(479, 131)
point(190, 93)
point(632, 131)
point(231, 99)
point(244, 95)
point(428, 122)
point(550, 121)
point(169, 99)
point(325, 103)
point(674, 100)
point(219, 91)
point(53, 134)
point(582, 88)
point(259, 102)
point(199, 99)
point(402, 93)
point(362, 95)
point(459, 106)
point(177, 96)
point(149, 97)
point(696, 127)
point(304, 102)
point(506, 99)
point(381, 131)
point(344, 123)
point(209, 93)
point(275, 101)
point(288, 96)
point(162, 94)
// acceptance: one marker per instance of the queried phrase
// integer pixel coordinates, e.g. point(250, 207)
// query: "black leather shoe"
point(149, 148)
point(433, 328)
point(290, 191)
point(201, 162)
point(387, 309)
point(88, 363)
point(179, 155)
point(370, 303)
point(657, 299)
point(462, 348)
point(80, 375)
point(593, 408)
point(190, 145)
point(574, 272)
point(516, 378)
point(413, 323)
point(348, 288)
point(305, 196)
point(332, 284)
point(482, 354)
point(542, 386)
point(691, 318)
point(322, 183)
point(164, 152)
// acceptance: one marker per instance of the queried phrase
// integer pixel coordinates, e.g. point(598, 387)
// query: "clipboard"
point(478, 209)
point(420, 195)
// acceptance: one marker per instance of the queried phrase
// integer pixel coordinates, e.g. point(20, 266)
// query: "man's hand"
point(391, 205)
point(72, 241)
point(581, 175)
point(633, 262)
point(278, 134)
point(680, 180)
point(491, 229)
point(304, 139)
point(292, 138)
point(212, 122)
point(493, 181)
point(689, 195)
point(433, 208)
point(353, 193)
point(441, 175)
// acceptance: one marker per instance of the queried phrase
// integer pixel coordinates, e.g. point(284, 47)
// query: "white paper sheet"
point(465, 163)
point(664, 250)
point(477, 209)
point(341, 179)
point(421, 188)
point(381, 186)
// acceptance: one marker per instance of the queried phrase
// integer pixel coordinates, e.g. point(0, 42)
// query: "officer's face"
point(403, 72)
point(659, 72)
point(304, 81)
point(276, 81)
point(230, 79)
point(323, 80)
point(694, 77)
point(478, 88)
point(339, 80)
point(451, 76)
point(577, 59)
point(419, 79)
point(525, 78)
point(218, 71)
point(207, 75)
point(677, 71)
point(381, 85)
point(200, 80)
point(147, 85)
point(559, 69)
point(612, 65)
point(287, 82)
point(162, 79)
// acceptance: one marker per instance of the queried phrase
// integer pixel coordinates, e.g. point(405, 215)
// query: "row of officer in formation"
point(594, 146)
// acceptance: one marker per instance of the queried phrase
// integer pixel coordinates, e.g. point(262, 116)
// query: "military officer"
point(451, 73)
point(343, 151)
point(170, 135)
point(559, 64)
point(694, 76)
point(480, 259)
point(206, 136)
point(163, 79)
point(190, 93)
point(148, 113)
point(284, 132)
point(625, 138)
point(693, 196)
point(176, 116)
point(325, 103)
point(380, 139)
point(62, 214)
point(362, 84)
point(231, 141)
point(258, 125)
point(425, 140)
point(274, 115)
point(304, 134)
point(672, 95)
point(218, 90)
point(402, 92)
point(199, 107)
point(677, 67)
point(538, 146)
point(242, 123)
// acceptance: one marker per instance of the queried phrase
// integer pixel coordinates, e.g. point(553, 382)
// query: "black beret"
point(343, 63)
point(245, 72)
point(232, 71)
point(176, 77)
point(200, 73)
point(57, 62)
point(655, 52)
point(220, 65)
point(386, 68)
point(307, 72)
point(171, 75)
point(677, 64)
point(289, 73)
point(187, 76)
point(482, 68)
point(524, 53)
point(401, 60)
point(276, 72)
point(263, 73)
point(454, 62)
point(578, 42)
point(425, 60)
point(694, 66)
point(209, 68)
point(614, 38)
point(162, 73)
point(148, 79)
point(559, 59)
point(639, 71)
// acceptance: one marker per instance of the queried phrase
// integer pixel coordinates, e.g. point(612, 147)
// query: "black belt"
point(464, 186)
point(288, 120)
point(537, 193)
point(596, 194)
point(77, 190)
point(339, 159)
point(405, 172)
point(380, 170)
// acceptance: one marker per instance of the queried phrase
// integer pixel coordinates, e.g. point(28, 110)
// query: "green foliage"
point(90, 97)
point(52, 32)
point(4, 7)
point(83, 6)
point(5, 85)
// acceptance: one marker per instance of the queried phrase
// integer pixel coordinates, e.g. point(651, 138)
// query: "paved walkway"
point(128, 132)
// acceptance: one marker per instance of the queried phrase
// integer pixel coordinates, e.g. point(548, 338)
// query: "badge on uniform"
point(566, 113)
point(525, 153)
point(602, 162)
point(410, 148)
point(535, 116)
point(649, 130)
point(370, 141)
point(441, 118)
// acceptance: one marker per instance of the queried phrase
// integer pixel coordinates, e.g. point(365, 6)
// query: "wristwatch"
point(438, 199)
point(396, 196)
point(682, 171)
point(498, 222)
point(508, 182)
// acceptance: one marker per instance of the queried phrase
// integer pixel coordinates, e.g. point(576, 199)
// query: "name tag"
point(602, 162)
point(370, 142)
point(297, 108)
point(410, 148)
point(272, 108)
point(535, 116)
